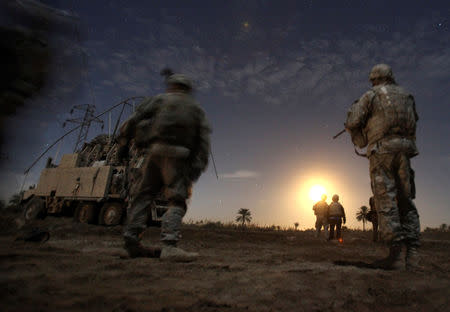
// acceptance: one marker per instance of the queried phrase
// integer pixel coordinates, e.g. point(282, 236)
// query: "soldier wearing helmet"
point(384, 120)
point(320, 210)
point(335, 215)
point(381, 73)
point(174, 130)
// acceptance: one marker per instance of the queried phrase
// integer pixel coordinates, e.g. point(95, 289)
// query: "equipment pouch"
point(359, 138)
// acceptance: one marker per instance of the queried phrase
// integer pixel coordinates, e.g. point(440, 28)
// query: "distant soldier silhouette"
point(384, 119)
point(336, 215)
point(174, 131)
point(320, 210)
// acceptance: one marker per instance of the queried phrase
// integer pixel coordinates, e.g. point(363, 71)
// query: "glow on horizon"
point(316, 192)
point(310, 189)
point(304, 191)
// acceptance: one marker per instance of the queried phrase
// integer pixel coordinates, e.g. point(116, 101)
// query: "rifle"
point(342, 131)
point(356, 151)
point(338, 134)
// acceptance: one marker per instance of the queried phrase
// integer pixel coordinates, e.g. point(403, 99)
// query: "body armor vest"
point(392, 114)
point(175, 121)
point(321, 208)
point(335, 210)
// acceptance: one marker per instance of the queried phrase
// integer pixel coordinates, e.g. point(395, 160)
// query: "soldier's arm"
point(203, 147)
point(359, 111)
point(128, 127)
point(414, 107)
point(343, 214)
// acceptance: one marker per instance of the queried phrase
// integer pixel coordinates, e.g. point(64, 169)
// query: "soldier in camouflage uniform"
point(336, 215)
point(173, 129)
point(384, 119)
point(320, 210)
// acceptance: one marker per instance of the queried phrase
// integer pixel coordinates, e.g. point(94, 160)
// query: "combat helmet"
point(381, 71)
point(335, 198)
point(180, 79)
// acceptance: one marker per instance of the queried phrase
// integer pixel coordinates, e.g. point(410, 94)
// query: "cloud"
point(311, 71)
point(240, 174)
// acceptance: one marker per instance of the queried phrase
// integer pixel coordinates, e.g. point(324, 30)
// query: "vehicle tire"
point(69, 208)
point(86, 213)
point(154, 223)
point(111, 214)
point(34, 209)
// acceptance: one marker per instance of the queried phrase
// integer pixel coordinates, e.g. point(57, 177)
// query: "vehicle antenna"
point(214, 165)
point(79, 126)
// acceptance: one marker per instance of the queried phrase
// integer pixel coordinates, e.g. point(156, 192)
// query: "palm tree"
point(444, 227)
point(296, 225)
point(361, 215)
point(244, 216)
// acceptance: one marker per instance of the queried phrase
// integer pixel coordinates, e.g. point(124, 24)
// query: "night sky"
point(275, 78)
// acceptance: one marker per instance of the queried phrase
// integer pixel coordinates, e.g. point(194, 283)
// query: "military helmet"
point(381, 71)
point(335, 198)
point(179, 79)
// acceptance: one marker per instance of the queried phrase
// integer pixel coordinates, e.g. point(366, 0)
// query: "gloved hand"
point(123, 153)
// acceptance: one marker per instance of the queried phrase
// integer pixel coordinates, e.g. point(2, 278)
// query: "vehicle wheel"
point(111, 214)
point(69, 208)
point(34, 209)
point(154, 223)
point(86, 213)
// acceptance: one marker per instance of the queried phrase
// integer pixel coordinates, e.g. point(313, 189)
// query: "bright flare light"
point(316, 192)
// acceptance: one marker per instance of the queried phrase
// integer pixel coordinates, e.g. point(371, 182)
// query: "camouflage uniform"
point(320, 210)
point(174, 131)
point(384, 119)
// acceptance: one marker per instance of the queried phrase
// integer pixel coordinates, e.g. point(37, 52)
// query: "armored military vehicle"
point(89, 185)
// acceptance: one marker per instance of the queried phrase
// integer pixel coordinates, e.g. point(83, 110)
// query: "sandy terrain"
point(83, 268)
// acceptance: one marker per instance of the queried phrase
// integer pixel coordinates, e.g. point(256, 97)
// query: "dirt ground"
point(83, 268)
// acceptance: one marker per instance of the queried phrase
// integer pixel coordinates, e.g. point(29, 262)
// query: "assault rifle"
point(356, 151)
point(338, 134)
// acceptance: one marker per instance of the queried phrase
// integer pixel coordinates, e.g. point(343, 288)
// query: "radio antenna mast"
point(84, 122)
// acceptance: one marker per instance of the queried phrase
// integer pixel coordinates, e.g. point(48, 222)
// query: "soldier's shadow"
point(362, 265)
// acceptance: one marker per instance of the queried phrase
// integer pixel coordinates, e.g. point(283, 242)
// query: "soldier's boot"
point(392, 262)
point(170, 234)
point(412, 260)
point(170, 252)
point(136, 250)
